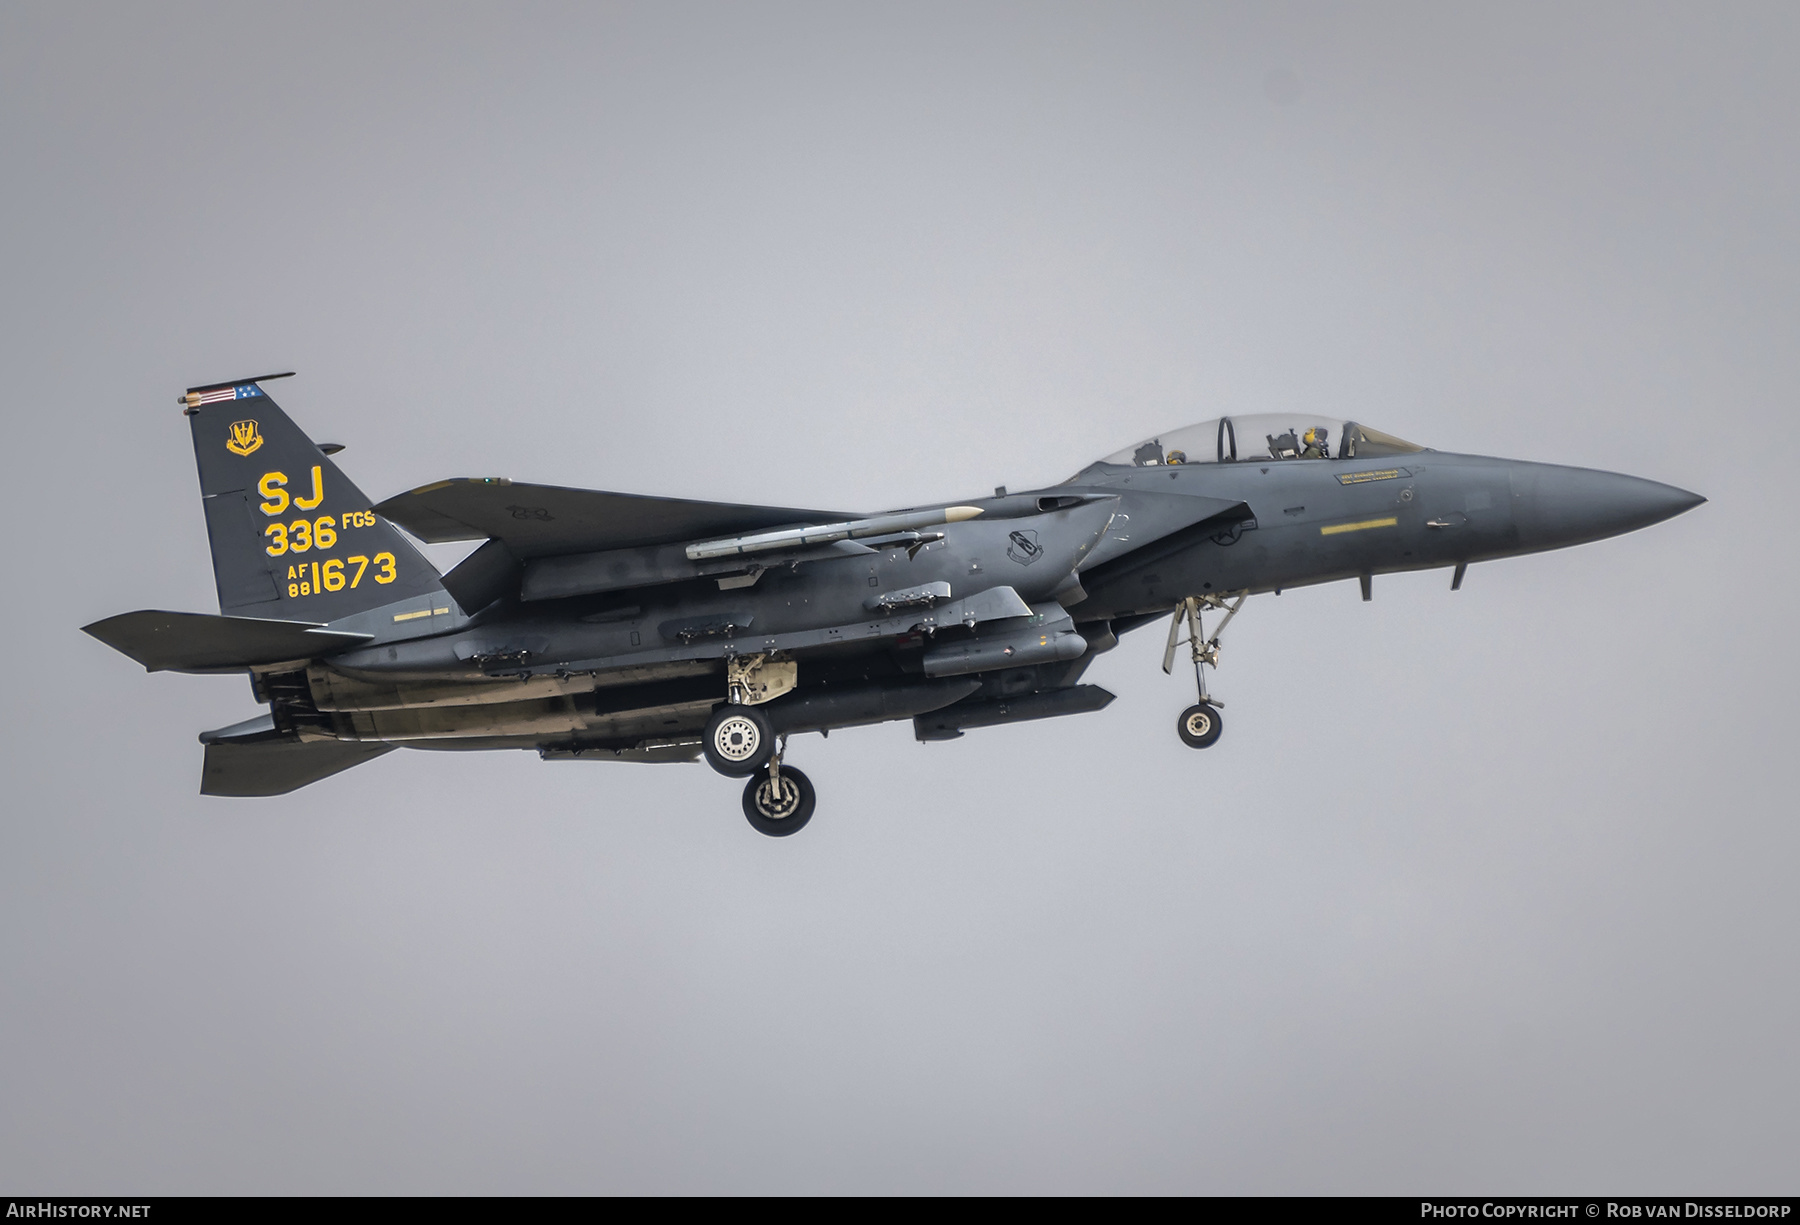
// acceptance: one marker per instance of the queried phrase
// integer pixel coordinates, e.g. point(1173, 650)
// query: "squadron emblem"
point(1023, 547)
point(244, 438)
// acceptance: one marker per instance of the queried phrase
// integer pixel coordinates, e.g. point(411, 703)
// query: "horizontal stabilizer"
point(202, 642)
point(276, 766)
point(258, 727)
point(545, 520)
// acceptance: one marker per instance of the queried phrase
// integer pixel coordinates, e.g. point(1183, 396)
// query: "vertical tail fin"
point(292, 538)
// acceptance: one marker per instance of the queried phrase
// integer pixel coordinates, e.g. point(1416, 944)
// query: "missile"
point(828, 533)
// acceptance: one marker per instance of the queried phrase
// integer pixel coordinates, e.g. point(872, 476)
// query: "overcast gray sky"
point(1488, 891)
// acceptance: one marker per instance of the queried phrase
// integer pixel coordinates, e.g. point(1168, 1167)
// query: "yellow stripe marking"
point(1364, 526)
point(412, 616)
point(438, 612)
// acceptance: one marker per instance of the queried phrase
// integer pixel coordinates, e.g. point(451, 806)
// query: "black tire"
point(739, 741)
point(790, 814)
point(1200, 726)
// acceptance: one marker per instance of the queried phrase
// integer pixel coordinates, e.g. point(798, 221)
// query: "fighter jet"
point(599, 626)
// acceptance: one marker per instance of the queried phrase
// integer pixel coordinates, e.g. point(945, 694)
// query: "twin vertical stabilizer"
point(293, 539)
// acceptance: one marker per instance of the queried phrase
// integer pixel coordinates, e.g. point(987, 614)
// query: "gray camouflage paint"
point(621, 652)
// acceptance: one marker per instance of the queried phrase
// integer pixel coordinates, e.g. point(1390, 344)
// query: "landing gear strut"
point(741, 742)
point(1200, 725)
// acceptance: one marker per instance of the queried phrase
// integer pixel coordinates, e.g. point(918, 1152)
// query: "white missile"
point(827, 533)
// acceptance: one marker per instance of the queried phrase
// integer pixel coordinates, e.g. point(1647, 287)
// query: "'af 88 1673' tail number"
point(331, 575)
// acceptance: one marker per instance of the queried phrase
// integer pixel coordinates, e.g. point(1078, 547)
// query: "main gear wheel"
point(739, 741)
point(779, 804)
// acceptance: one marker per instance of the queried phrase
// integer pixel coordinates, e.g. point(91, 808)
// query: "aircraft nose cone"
point(1555, 506)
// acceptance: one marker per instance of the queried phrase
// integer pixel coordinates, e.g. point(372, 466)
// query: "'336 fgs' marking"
point(304, 534)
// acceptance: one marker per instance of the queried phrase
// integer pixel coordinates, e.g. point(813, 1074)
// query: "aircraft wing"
point(545, 520)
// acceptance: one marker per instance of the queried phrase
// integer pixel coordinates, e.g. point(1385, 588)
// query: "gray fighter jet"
point(617, 627)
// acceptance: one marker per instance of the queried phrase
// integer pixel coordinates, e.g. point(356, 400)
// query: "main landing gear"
point(740, 742)
point(1200, 725)
point(778, 801)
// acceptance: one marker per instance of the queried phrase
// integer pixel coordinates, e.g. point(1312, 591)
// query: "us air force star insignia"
point(244, 438)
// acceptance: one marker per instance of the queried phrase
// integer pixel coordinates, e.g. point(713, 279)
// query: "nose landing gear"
point(1200, 725)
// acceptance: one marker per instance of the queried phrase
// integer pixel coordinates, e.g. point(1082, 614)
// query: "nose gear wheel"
point(1200, 724)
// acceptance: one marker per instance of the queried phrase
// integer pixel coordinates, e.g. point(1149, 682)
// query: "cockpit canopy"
point(1260, 437)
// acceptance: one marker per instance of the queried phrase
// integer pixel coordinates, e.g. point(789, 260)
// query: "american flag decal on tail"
point(243, 391)
point(232, 389)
